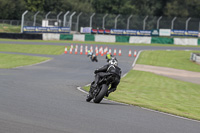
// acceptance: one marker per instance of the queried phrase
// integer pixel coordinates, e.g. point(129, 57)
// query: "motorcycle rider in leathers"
point(110, 68)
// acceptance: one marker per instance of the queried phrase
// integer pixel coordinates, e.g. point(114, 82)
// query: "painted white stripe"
point(136, 58)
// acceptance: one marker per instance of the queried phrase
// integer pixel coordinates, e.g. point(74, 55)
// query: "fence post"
point(70, 20)
point(128, 21)
point(187, 21)
point(64, 19)
point(172, 23)
point(35, 18)
point(22, 23)
point(91, 19)
point(104, 21)
point(47, 14)
point(199, 25)
point(77, 23)
point(144, 22)
point(158, 22)
point(58, 17)
point(116, 21)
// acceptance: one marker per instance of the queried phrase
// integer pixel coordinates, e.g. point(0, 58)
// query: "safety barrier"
point(195, 57)
point(51, 36)
point(103, 38)
point(131, 39)
point(21, 36)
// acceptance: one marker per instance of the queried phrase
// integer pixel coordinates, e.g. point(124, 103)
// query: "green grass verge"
point(11, 61)
point(34, 49)
point(158, 93)
point(14, 60)
point(10, 28)
point(172, 59)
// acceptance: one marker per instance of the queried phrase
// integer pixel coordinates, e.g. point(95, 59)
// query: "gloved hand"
point(96, 71)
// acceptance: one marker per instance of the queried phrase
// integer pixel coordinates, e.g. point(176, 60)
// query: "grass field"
point(13, 60)
point(161, 93)
point(10, 28)
point(34, 49)
point(172, 59)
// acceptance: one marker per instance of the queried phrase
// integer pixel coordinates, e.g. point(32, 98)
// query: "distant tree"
point(11, 9)
point(182, 8)
point(65, 5)
point(34, 5)
point(111, 6)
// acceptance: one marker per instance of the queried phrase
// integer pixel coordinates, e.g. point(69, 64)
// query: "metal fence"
point(76, 20)
point(10, 22)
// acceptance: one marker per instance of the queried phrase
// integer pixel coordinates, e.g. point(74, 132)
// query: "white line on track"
point(34, 64)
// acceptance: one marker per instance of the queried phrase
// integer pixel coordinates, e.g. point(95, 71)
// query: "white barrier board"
point(50, 36)
point(77, 37)
point(185, 41)
point(136, 39)
point(105, 38)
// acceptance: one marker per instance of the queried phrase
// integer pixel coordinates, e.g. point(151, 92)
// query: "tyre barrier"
point(195, 57)
point(20, 36)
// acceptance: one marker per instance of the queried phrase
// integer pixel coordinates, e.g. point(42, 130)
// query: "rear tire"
point(101, 94)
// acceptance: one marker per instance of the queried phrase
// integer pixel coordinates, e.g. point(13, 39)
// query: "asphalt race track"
point(43, 98)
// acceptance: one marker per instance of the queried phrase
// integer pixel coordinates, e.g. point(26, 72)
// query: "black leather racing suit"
point(107, 70)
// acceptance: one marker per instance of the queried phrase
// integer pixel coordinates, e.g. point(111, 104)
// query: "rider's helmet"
point(113, 61)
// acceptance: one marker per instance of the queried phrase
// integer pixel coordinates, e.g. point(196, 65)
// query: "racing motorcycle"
point(93, 58)
point(98, 93)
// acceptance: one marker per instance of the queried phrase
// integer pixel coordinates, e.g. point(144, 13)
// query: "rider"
point(110, 68)
point(108, 56)
point(90, 53)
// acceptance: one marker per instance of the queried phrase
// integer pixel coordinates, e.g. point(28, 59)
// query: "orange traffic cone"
point(91, 48)
point(86, 50)
point(110, 52)
point(76, 51)
point(129, 54)
point(72, 46)
point(135, 53)
point(102, 52)
point(120, 52)
point(70, 50)
point(65, 50)
point(114, 52)
point(81, 50)
point(97, 52)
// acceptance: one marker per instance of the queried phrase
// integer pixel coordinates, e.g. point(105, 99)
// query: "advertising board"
point(33, 29)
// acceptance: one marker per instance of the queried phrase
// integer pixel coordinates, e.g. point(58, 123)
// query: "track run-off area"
point(43, 98)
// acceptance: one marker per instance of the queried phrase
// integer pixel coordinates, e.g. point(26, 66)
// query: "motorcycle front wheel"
point(101, 94)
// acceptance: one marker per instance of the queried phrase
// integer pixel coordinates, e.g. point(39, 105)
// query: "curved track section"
point(43, 99)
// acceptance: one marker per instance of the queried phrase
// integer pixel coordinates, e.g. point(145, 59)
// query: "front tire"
point(101, 94)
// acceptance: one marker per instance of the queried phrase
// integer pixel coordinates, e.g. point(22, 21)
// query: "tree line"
point(13, 9)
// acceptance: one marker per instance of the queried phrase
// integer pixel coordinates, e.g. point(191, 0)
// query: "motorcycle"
point(93, 58)
point(98, 93)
